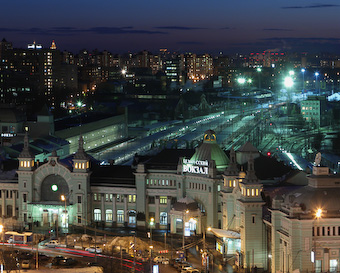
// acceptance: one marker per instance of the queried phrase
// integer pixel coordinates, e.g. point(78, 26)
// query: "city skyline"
point(242, 27)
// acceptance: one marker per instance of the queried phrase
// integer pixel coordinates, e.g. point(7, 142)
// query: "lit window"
point(97, 215)
point(252, 192)
point(163, 218)
point(120, 216)
point(132, 198)
point(257, 192)
point(108, 215)
point(163, 199)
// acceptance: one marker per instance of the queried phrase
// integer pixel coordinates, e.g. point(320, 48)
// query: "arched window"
point(163, 218)
point(120, 216)
point(97, 215)
point(108, 215)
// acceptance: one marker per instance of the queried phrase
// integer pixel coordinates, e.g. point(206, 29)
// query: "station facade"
point(192, 191)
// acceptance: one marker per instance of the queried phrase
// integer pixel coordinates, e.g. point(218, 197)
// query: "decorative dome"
point(242, 174)
point(210, 150)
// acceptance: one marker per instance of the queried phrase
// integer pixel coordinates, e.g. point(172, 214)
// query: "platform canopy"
point(225, 233)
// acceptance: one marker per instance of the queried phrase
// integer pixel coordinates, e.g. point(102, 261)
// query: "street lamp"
point(183, 224)
point(63, 198)
point(259, 70)
point(303, 78)
point(316, 74)
point(318, 215)
point(288, 83)
point(205, 257)
point(152, 222)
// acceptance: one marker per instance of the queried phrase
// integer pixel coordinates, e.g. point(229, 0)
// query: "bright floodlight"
point(123, 71)
point(288, 82)
point(241, 80)
point(303, 70)
point(318, 213)
point(258, 69)
point(316, 74)
point(62, 197)
point(79, 103)
point(249, 81)
point(291, 73)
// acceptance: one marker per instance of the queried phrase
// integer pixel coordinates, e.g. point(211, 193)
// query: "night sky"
point(199, 26)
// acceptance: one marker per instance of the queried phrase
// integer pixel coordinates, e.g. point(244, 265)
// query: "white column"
point(157, 210)
point(14, 202)
point(125, 208)
point(3, 196)
point(102, 205)
point(114, 209)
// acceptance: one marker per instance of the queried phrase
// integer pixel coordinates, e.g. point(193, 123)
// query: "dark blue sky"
point(200, 26)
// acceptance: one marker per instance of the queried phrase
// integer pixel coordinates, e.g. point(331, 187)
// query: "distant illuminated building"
point(314, 111)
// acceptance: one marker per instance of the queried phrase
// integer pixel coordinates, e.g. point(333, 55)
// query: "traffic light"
point(269, 153)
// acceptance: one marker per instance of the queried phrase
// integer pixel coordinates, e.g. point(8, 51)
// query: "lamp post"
point(318, 215)
point(205, 252)
point(317, 87)
point(259, 70)
point(152, 221)
point(303, 79)
point(183, 224)
point(288, 83)
point(63, 198)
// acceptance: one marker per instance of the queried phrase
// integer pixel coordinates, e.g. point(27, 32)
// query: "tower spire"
point(53, 46)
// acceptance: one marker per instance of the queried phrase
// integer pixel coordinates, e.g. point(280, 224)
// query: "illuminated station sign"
point(195, 166)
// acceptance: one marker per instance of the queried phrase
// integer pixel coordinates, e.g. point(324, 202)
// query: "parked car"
point(94, 249)
point(52, 243)
point(180, 265)
point(184, 266)
point(25, 264)
point(186, 269)
point(161, 259)
point(192, 270)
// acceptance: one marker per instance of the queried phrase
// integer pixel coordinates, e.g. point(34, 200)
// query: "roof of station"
point(210, 150)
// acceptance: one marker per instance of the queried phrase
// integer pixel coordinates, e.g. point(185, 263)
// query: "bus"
point(14, 237)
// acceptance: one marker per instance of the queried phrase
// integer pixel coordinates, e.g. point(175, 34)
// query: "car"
point(25, 264)
point(52, 243)
point(186, 269)
point(192, 270)
point(67, 262)
point(160, 259)
point(57, 259)
point(181, 264)
point(93, 249)
point(92, 264)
